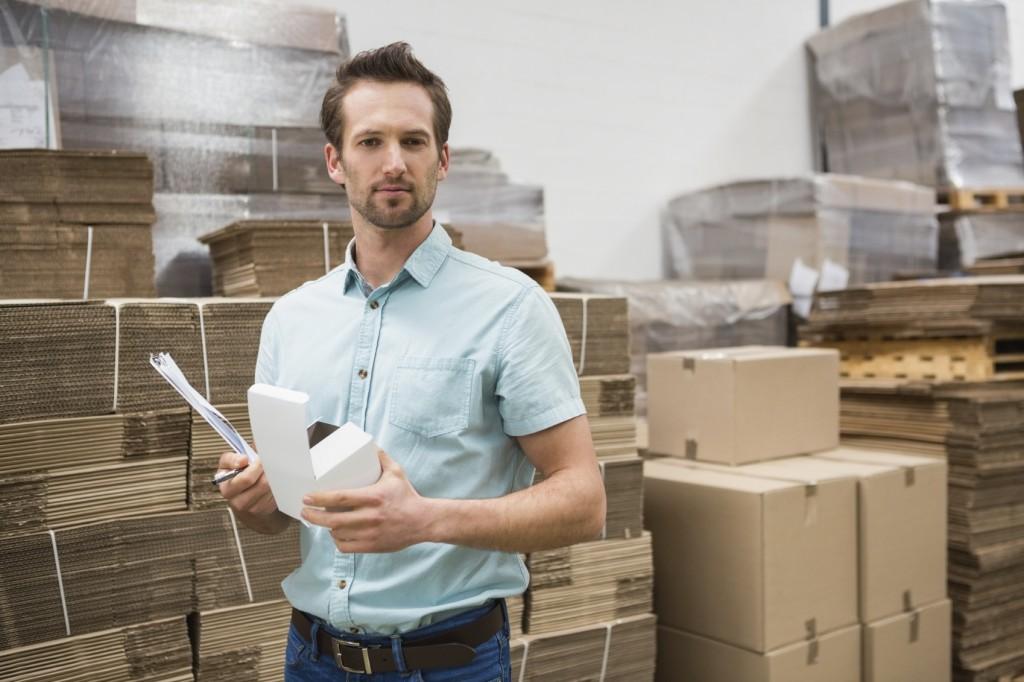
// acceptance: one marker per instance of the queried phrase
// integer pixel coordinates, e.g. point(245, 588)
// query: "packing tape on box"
point(88, 262)
point(327, 249)
point(60, 583)
point(811, 624)
point(241, 554)
point(522, 664)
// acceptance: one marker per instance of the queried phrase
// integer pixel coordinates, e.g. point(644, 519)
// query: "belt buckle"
point(337, 644)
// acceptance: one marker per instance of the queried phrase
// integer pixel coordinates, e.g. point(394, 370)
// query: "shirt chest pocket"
point(431, 396)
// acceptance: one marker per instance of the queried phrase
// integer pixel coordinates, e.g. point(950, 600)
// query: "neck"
point(381, 253)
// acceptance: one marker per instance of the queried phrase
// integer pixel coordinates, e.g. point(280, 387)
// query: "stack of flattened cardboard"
point(978, 428)
point(235, 565)
point(588, 583)
point(157, 651)
point(935, 305)
point(624, 491)
point(63, 358)
point(242, 642)
point(962, 329)
point(95, 577)
point(598, 331)
point(515, 615)
point(919, 90)
point(75, 224)
point(620, 650)
point(272, 257)
point(58, 357)
point(609, 401)
point(78, 470)
point(232, 328)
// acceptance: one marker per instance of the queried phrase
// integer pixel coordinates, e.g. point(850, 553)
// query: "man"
point(461, 371)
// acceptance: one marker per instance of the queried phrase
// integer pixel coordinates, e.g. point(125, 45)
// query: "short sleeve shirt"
point(444, 366)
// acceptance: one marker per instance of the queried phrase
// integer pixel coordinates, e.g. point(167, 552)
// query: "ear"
point(442, 170)
point(335, 169)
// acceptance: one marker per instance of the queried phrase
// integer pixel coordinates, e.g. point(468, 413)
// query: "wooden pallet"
point(970, 358)
point(983, 199)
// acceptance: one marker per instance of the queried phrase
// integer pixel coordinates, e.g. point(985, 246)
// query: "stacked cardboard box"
point(775, 567)
point(978, 429)
point(75, 224)
point(816, 233)
point(919, 91)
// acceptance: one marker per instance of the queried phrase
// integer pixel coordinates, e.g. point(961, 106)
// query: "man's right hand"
point(248, 492)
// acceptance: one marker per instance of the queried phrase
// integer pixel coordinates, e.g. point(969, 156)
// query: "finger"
point(386, 463)
point(340, 521)
point(232, 460)
point(248, 498)
point(353, 498)
point(251, 476)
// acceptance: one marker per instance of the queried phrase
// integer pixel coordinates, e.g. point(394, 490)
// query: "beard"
point(395, 213)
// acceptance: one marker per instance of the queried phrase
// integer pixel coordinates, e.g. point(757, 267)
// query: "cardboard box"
point(749, 561)
point(746, 404)
point(902, 528)
point(685, 657)
point(910, 647)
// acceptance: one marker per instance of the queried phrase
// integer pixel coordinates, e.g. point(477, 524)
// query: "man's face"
point(389, 161)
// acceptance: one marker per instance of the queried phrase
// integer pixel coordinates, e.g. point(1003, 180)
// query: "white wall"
point(615, 107)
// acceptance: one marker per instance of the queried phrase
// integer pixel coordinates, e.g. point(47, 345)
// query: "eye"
point(369, 142)
point(414, 142)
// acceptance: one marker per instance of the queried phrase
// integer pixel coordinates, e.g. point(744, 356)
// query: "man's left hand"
point(384, 517)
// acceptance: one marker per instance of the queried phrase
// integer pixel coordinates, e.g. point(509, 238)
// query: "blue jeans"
point(303, 663)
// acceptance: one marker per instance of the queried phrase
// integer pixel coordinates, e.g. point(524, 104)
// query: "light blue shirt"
point(443, 366)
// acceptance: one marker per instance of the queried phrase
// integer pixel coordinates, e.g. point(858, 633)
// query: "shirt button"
point(362, 374)
point(342, 584)
point(374, 305)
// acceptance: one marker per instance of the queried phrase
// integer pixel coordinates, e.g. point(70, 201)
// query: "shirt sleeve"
point(537, 386)
point(266, 360)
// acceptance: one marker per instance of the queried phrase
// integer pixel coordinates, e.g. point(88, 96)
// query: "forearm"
point(268, 524)
point(563, 509)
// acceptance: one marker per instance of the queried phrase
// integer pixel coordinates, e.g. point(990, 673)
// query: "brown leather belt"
point(445, 650)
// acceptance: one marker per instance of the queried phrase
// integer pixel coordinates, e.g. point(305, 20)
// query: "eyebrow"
point(415, 131)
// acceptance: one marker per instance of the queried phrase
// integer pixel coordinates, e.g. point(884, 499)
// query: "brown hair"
point(392, 63)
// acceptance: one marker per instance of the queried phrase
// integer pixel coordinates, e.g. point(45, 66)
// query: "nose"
point(394, 162)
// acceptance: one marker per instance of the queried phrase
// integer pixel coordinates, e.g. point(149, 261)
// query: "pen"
point(226, 476)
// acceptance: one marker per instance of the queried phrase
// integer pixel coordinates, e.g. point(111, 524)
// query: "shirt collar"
point(422, 265)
